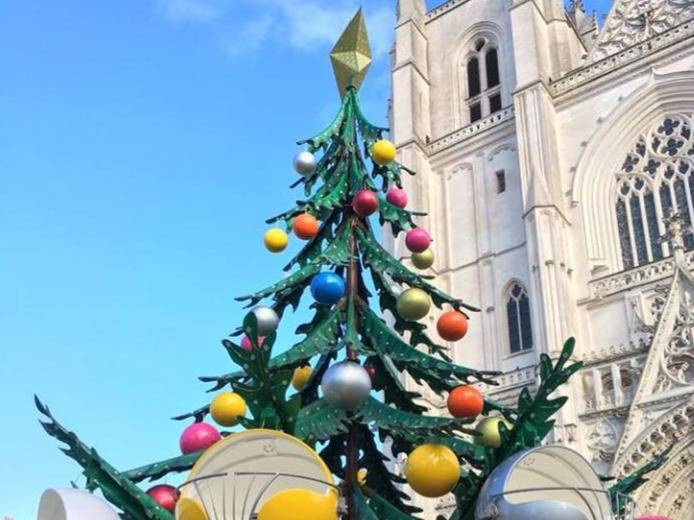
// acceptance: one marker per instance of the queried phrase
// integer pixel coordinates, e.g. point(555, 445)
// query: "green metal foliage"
point(441, 375)
point(630, 483)
point(116, 488)
point(319, 421)
point(376, 508)
point(380, 260)
point(265, 391)
point(157, 470)
point(530, 424)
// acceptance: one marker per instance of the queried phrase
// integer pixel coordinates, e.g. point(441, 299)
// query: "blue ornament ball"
point(327, 288)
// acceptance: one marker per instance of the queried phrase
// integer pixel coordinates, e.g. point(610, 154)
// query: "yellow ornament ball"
point(189, 509)
point(361, 476)
point(432, 470)
point(489, 431)
point(383, 152)
point(275, 240)
point(299, 504)
point(301, 377)
point(413, 304)
point(227, 408)
point(423, 260)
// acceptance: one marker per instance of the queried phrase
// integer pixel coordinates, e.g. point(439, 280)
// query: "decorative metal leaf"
point(301, 277)
point(320, 421)
point(116, 488)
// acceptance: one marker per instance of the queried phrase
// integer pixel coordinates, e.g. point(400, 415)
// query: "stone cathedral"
point(556, 163)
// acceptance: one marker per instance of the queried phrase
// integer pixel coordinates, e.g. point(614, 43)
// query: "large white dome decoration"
point(547, 482)
point(73, 504)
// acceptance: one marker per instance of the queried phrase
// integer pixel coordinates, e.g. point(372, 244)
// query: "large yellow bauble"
point(413, 304)
point(432, 470)
point(227, 408)
point(301, 377)
point(299, 504)
point(383, 152)
point(423, 260)
point(189, 509)
point(489, 430)
point(275, 240)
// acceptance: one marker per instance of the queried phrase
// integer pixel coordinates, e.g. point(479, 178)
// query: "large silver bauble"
point(305, 163)
point(268, 321)
point(346, 385)
point(546, 482)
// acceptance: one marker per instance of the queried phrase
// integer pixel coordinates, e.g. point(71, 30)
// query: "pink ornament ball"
point(397, 197)
point(365, 203)
point(198, 436)
point(165, 496)
point(417, 240)
point(248, 346)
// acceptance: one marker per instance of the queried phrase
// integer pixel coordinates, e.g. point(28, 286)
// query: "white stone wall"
point(569, 119)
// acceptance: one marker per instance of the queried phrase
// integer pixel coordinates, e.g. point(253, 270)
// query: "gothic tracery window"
point(655, 178)
point(520, 335)
point(483, 80)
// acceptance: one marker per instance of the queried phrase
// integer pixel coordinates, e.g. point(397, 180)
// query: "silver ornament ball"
point(346, 385)
point(305, 163)
point(268, 321)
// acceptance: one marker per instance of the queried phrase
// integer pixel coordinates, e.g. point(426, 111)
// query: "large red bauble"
point(248, 346)
point(365, 203)
point(452, 325)
point(397, 197)
point(198, 436)
point(465, 401)
point(305, 226)
point(164, 495)
point(417, 240)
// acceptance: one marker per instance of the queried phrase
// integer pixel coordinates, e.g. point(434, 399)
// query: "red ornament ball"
point(305, 226)
point(165, 496)
point(248, 346)
point(371, 370)
point(365, 203)
point(417, 240)
point(198, 436)
point(452, 325)
point(465, 401)
point(397, 197)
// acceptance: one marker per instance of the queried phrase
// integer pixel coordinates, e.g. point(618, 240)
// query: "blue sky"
point(142, 145)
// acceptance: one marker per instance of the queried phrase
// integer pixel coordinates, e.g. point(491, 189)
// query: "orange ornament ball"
point(452, 325)
point(465, 401)
point(305, 226)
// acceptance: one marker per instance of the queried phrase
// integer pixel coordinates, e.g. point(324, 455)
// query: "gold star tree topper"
point(351, 56)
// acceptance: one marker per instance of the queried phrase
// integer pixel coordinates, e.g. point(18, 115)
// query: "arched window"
point(520, 333)
point(483, 80)
point(655, 179)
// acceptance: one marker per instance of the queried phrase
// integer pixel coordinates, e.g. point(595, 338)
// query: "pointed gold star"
point(351, 56)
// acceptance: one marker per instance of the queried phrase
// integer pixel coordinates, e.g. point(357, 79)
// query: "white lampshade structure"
point(73, 504)
point(550, 482)
point(234, 477)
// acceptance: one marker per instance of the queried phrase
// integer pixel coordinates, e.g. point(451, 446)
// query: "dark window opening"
point(475, 112)
point(473, 77)
point(518, 315)
point(492, 63)
point(495, 103)
point(500, 181)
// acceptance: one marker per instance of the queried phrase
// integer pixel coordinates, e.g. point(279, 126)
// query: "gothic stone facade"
point(550, 152)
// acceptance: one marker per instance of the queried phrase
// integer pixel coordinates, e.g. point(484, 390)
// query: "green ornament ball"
point(413, 304)
point(423, 260)
point(489, 430)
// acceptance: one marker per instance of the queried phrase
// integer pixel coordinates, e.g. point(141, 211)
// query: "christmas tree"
point(348, 400)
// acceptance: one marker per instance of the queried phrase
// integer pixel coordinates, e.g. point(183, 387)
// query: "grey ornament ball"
point(305, 163)
point(268, 321)
point(346, 385)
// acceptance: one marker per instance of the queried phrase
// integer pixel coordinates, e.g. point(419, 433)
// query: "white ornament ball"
point(305, 163)
point(267, 318)
point(346, 385)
